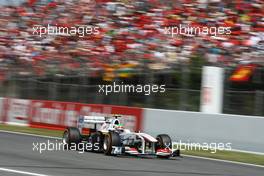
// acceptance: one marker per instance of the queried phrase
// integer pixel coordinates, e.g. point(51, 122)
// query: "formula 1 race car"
point(108, 136)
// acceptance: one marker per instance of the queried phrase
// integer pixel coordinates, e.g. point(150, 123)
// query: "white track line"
point(21, 172)
point(225, 161)
point(190, 156)
point(28, 134)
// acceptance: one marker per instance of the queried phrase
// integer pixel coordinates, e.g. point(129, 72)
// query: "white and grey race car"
point(107, 135)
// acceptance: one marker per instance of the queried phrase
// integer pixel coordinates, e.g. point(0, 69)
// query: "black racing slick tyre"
point(111, 139)
point(164, 141)
point(71, 136)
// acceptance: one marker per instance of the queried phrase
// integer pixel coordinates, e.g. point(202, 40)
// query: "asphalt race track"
point(18, 158)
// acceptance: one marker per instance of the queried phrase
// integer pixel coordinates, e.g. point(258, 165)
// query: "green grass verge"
point(228, 155)
point(38, 131)
point(224, 155)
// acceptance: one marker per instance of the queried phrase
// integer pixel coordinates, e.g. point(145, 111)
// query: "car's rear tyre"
point(164, 142)
point(111, 139)
point(71, 136)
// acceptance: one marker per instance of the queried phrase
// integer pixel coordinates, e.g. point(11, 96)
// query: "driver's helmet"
point(119, 127)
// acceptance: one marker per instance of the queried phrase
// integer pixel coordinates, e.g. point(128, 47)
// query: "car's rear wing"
point(93, 119)
point(90, 122)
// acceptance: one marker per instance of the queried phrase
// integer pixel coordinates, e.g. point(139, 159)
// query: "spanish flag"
point(243, 73)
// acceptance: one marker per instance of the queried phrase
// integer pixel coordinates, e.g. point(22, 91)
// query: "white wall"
point(244, 132)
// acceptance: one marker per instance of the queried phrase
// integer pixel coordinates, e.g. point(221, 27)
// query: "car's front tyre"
point(111, 139)
point(164, 145)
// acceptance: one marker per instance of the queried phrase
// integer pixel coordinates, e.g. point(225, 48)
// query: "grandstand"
point(131, 47)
